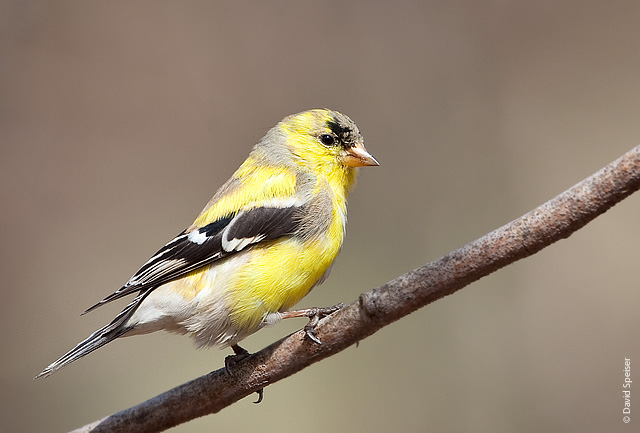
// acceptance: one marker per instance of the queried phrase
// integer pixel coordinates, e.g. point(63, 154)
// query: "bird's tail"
point(102, 336)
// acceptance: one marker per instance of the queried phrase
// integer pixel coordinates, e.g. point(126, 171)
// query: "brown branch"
point(550, 222)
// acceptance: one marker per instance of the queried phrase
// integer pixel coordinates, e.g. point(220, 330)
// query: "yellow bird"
point(265, 239)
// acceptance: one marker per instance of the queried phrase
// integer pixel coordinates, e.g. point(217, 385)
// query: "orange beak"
point(358, 156)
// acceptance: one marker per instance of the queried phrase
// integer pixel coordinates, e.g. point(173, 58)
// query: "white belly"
point(196, 305)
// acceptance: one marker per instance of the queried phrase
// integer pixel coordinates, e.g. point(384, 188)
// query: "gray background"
point(118, 120)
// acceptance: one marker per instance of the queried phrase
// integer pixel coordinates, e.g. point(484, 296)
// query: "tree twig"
point(548, 223)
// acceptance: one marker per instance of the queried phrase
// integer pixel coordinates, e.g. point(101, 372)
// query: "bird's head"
point(323, 138)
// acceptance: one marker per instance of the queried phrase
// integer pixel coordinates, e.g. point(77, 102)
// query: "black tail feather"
point(112, 297)
point(102, 336)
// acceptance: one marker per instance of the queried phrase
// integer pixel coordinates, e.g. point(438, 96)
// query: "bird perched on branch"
point(265, 239)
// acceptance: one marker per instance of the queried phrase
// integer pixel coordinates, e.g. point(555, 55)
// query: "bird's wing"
point(226, 236)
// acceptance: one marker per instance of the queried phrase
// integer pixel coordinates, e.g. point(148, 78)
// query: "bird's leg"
point(230, 361)
point(314, 314)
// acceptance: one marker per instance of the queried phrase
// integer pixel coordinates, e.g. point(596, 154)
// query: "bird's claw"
point(315, 314)
point(260, 393)
point(230, 361)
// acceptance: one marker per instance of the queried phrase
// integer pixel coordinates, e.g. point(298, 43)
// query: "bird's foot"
point(232, 360)
point(314, 314)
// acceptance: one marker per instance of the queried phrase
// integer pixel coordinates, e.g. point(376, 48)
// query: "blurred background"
point(118, 120)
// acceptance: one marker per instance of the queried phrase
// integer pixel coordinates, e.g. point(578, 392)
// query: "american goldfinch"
point(265, 239)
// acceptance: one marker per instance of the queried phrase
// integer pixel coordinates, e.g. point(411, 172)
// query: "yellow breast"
point(278, 275)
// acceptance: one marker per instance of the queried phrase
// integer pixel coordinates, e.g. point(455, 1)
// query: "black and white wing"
point(191, 250)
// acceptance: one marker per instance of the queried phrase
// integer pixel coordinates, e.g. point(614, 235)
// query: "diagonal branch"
point(548, 223)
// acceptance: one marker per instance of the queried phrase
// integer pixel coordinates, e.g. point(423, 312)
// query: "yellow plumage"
point(265, 239)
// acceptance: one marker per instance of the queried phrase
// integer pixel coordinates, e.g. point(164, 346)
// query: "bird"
point(266, 238)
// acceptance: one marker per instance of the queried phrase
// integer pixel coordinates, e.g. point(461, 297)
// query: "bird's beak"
point(358, 156)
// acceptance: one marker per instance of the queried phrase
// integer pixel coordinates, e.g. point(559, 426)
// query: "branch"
point(550, 222)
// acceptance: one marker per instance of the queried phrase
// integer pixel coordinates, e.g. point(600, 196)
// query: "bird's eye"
point(327, 139)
